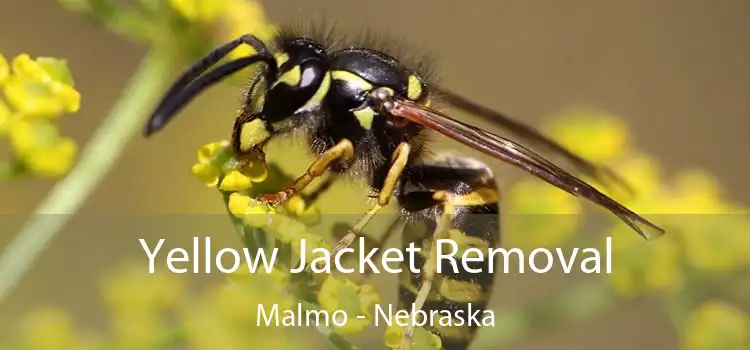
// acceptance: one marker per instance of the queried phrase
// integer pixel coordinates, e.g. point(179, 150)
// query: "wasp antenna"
point(179, 100)
point(183, 91)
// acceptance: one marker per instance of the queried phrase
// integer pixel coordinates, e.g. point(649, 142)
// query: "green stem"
point(285, 254)
point(105, 147)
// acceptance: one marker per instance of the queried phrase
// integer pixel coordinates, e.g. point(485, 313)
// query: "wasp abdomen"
point(462, 193)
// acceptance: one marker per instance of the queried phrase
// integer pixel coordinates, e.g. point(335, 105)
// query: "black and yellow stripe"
point(457, 187)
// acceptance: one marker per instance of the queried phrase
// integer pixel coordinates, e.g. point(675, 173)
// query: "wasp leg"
point(429, 268)
point(381, 242)
point(341, 152)
point(399, 160)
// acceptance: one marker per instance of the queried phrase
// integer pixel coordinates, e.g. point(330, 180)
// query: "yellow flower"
point(137, 300)
point(639, 266)
point(541, 215)
point(714, 232)
point(252, 212)
point(297, 207)
point(716, 243)
point(716, 325)
point(206, 173)
point(238, 204)
point(41, 88)
point(422, 339)
point(138, 328)
point(206, 329)
point(49, 329)
point(643, 173)
point(40, 147)
point(37, 91)
point(269, 288)
point(343, 294)
point(241, 17)
point(238, 303)
point(133, 288)
point(207, 152)
point(288, 230)
point(53, 161)
point(697, 192)
point(235, 181)
point(215, 161)
point(206, 169)
point(228, 317)
point(198, 10)
point(6, 116)
point(26, 136)
point(4, 69)
point(597, 136)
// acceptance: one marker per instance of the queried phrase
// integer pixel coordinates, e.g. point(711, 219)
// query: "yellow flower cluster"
point(594, 135)
point(716, 325)
point(216, 164)
point(156, 311)
point(215, 160)
point(217, 167)
point(36, 92)
point(51, 329)
point(231, 317)
point(704, 229)
point(136, 301)
point(639, 267)
point(343, 294)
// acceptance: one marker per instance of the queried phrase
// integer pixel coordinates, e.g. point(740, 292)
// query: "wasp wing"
point(519, 156)
point(594, 171)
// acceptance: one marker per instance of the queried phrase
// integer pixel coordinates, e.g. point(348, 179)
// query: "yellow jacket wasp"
point(366, 114)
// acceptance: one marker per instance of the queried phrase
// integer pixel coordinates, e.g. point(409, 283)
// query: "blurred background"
point(674, 71)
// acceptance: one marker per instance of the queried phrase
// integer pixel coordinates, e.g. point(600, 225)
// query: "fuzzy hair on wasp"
point(366, 114)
